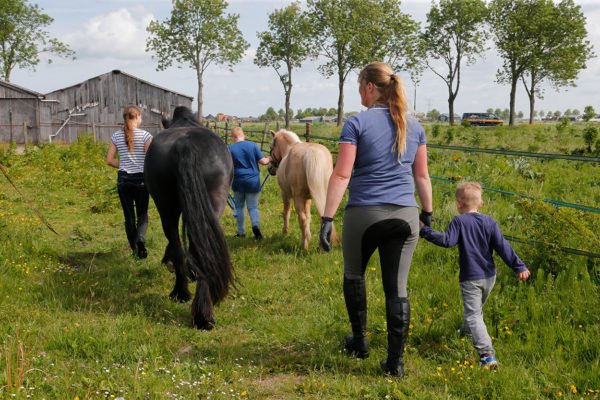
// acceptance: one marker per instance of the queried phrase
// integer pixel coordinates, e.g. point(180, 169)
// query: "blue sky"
point(111, 34)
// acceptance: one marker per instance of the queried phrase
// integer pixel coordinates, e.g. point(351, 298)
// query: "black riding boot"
point(398, 320)
point(132, 238)
point(355, 295)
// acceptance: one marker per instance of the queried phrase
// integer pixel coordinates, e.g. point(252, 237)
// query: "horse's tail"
point(318, 165)
point(207, 256)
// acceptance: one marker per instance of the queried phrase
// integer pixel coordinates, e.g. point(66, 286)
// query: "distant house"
point(21, 111)
point(225, 117)
point(322, 118)
point(96, 106)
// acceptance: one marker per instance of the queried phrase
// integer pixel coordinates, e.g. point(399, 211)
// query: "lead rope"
point(29, 202)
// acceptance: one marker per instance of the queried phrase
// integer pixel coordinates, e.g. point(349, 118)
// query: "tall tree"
point(561, 49)
point(514, 35)
point(198, 33)
point(454, 34)
point(404, 50)
point(350, 33)
point(23, 37)
point(284, 47)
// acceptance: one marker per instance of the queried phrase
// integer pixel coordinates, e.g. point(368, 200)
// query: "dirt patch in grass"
point(274, 387)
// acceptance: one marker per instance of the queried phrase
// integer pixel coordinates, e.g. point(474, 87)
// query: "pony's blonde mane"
point(290, 136)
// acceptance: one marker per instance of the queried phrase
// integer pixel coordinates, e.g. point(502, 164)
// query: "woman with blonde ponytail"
point(382, 158)
point(131, 144)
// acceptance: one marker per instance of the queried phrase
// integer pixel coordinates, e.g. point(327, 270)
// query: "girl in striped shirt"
point(131, 144)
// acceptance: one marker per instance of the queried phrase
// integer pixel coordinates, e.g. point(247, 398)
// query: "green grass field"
point(81, 319)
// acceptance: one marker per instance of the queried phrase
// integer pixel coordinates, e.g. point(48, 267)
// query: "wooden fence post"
point(307, 134)
point(226, 131)
point(25, 133)
point(277, 127)
point(94, 133)
point(262, 142)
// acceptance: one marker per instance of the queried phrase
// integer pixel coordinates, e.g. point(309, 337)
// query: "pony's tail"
point(318, 169)
point(205, 247)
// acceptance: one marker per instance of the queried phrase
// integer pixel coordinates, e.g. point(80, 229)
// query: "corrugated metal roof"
point(21, 89)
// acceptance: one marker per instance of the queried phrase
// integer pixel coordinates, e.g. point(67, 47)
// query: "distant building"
point(21, 111)
point(225, 117)
point(96, 106)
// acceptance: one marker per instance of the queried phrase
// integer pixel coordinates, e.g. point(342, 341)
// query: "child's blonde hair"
point(469, 193)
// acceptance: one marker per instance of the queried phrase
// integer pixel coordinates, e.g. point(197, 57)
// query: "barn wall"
point(102, 100)
point(19, 115)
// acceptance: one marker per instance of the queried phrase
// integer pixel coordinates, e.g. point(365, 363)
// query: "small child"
point(476, 235)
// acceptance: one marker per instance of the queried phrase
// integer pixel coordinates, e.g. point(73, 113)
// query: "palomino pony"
point(303, 171)
point(188, 172)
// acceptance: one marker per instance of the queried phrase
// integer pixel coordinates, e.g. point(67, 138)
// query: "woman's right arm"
point(422, 180)
point(111, 156)
point(338, 182)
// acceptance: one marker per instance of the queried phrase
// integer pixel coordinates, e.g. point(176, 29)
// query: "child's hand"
point(523, 276)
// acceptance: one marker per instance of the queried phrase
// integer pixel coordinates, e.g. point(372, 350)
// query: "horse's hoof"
point(180, 298)
point(170, 266)
point(203, 325)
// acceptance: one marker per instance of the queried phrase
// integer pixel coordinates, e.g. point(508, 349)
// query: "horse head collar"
point(275, 161)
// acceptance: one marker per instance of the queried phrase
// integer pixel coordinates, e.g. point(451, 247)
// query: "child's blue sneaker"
point(489, 361)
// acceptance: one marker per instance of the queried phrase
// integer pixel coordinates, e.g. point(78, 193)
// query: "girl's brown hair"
point(130, 115)
point(391, 92)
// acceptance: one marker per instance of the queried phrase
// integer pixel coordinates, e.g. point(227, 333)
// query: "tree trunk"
point(531, 105)
point(288, 93)
point(513, 93)
point(200, 100)
point(340, 116)
point(451, 97)
point(531, 95)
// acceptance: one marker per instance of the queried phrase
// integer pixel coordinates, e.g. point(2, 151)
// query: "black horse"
point(188, 172)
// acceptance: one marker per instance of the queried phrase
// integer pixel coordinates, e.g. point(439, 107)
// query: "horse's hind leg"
point(303, 210)
point(202, 307)
point(287, 204)
point(174, 257)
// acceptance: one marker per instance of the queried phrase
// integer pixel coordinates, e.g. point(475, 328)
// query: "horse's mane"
point(182, 116)
point(289, 136)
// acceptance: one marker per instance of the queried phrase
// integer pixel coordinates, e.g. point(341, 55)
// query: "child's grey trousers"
point(474, 295)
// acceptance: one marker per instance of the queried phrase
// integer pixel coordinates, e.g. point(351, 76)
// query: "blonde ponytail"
point(130, 115)
point(391, 91)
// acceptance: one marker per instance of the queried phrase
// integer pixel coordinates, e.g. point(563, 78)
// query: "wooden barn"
point(96, 106)
point(21, 111)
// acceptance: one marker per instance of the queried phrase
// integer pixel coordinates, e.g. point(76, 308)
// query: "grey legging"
point(394, 230)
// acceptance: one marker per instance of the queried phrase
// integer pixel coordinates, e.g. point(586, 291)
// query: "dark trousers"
point(134, 200)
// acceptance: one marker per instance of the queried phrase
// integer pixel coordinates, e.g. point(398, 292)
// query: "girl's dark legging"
point(134, 200)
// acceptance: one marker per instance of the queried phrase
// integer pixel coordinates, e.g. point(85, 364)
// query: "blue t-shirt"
point(246, 176)
point(476, 236)
point(378, 178)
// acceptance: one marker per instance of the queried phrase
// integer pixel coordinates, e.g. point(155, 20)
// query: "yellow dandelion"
point(439, 368)
point(559, 394)
point(573, 389)
point(244, 393)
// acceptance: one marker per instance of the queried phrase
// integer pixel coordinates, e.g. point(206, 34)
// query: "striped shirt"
point(131, 162)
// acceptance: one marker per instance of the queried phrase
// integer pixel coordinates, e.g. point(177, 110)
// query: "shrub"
point(435, 130)
point(589, 136)
point(562, 125)
point(449, 135)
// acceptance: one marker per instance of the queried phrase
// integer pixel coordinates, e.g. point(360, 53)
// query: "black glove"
point(325, 235)
point(425, 217)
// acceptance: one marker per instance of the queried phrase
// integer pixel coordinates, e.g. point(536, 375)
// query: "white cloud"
point(118, 34)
